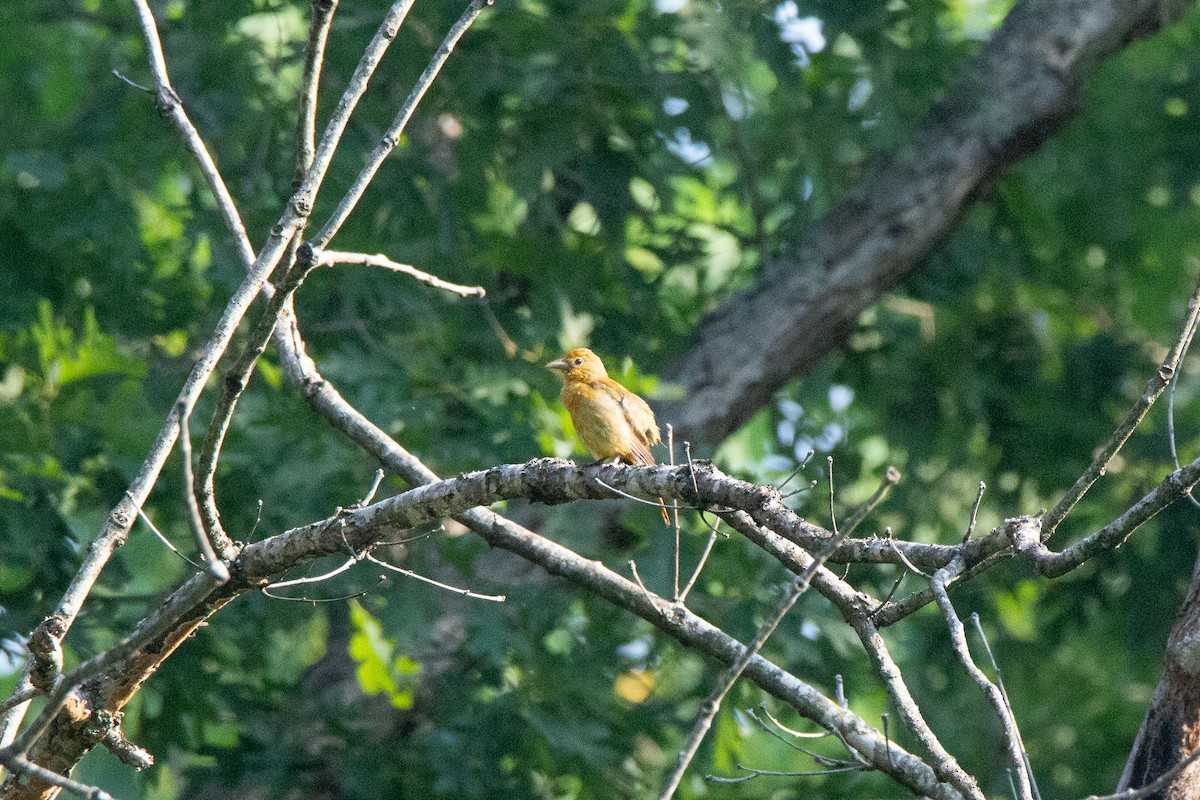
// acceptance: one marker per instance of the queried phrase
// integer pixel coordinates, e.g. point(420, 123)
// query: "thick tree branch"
point(1163, 760)
point(109, 680)
point(1025, 532)
point(1011, 98)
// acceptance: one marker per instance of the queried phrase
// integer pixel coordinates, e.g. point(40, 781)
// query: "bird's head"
point(579, 364)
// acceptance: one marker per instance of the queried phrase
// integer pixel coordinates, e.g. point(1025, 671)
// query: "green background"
point(544, 166)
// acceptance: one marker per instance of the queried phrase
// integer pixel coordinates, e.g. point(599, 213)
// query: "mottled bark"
point(1013, 96)
point(1171, 729)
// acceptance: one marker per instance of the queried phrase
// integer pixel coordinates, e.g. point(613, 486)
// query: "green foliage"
point(379, 671)
point(609, 173)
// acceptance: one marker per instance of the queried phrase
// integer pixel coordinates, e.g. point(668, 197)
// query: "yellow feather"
point(611, 421)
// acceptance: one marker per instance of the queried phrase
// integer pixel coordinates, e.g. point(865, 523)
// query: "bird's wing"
point(645, 429)
point(638, 412)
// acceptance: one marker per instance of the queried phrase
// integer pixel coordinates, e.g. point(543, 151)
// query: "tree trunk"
point(1171, 729)
point(1013, 96)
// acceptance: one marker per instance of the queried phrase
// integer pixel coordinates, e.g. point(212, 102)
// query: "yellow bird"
point(611, 421)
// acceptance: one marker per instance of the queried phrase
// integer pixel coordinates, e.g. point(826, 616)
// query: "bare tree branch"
point(314, 59)
point(1009, 100)
point(1154, 387)
point(391, 137)
point(958, 638)
point(238, 376)
point(171, 107)
point(112, 677)
point(331, 257)
point(712, 704)
point(204, 537)
point(1027, 540)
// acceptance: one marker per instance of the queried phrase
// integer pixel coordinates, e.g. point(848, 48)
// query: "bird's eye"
point(578, 361)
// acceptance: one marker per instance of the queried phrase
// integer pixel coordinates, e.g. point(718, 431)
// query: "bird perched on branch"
point(611, 421)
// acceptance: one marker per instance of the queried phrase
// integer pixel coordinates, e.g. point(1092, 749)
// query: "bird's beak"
point(558, 365)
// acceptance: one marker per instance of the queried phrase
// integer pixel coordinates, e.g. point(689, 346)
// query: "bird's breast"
point(599, 421)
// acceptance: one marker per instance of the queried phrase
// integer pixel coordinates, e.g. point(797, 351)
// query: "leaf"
point(379, 672)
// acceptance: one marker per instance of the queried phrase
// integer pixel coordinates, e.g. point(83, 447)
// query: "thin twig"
point(958, 638)
point(510, 347)
point(712, 703)
point(370, 495)
point(1189, 333)
point(350, 562)
point(832, 515)
point(641, 585)
point(891, 593)
point(987, 648)
point(820, 759)
point(315, 600)
point(163, 538)
point(885, 719)
point(975, 512)
point(495, 598)
point(904, 559)
point(825, 761)
point(712, 538)
point(799, 467)
point(792, 731)
point(329, 258)
point(641, 500)
point(216, 567)
point(131, 83)
point(1154, 387)
point(391, 136)
point(811, 485)
point(257, 518)
point(891, 476)
point(1171, 429)
point(759, 773)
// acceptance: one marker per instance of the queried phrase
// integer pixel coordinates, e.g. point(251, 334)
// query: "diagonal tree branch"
point(107, 681)
point(1010, 99)
point(259, 268)
point(958, 640)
